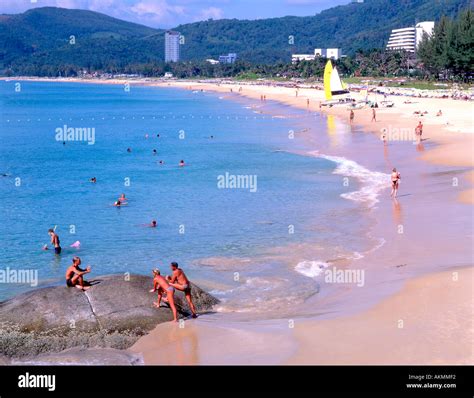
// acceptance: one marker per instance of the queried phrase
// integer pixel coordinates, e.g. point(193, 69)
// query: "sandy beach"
point(424, 320)
point(419, 310)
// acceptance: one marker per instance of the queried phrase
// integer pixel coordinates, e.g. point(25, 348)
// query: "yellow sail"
point(327, 80)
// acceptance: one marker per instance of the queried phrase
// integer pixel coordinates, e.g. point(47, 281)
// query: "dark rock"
point(81, 356)
point(4, 360)
point(114, 312)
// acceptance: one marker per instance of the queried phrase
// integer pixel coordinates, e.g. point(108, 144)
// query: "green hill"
point(38, 41)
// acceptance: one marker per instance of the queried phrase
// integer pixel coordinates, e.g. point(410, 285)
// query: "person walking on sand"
point(161, 285)
point(180, 281)
point(374, 115)
point(55, 241)
point(395, 177)
point(420, 128)
point(74, 275)
point(351, 116)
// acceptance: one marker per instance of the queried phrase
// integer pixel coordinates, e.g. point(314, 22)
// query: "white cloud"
point(210, 12)
point(157, 13)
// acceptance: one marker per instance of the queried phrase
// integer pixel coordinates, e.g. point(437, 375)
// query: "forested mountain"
point(44, 40)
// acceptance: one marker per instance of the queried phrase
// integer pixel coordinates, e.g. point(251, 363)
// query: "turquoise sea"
point(252, 249)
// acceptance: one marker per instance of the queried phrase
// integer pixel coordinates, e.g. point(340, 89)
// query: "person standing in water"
point(374, 115)
point(395, 177)
point(55, 241)
point(161, 285)
point(351, 117)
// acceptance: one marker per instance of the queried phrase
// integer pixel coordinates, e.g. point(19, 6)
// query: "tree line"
point(449, 52)
point(446, 54)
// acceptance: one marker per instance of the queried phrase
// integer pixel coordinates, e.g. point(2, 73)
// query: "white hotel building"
point(172, 43)
point(408, 39)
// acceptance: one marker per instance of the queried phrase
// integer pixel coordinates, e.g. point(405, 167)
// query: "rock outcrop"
point(113, 313)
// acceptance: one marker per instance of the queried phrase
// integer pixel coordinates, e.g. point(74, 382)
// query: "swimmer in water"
point(129, 150)
point(93, 180)
point(161, 162)
point(117, 203)
point(181, 163)
point(153, 224)
point(155, 152)
point(122, 198)
point(146, 136)
point(157, 136)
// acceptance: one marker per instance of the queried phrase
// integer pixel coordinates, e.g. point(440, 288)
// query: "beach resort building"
point(409, 38)
point(172, 52)
point(301, 57)
point(228, 59)
point(332, 53)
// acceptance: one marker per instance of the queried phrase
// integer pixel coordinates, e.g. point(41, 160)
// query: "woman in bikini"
point(395, 177)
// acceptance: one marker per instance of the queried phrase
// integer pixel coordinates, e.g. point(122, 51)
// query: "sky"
point(170, 13)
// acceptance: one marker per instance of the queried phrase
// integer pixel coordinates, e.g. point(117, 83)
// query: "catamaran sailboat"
point(333, 85)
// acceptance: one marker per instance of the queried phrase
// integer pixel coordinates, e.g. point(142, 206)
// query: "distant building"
point(301, 57)
point(172, 52)
point(357, 1)
point(333, 53)
point(228, 59)
point(212, 61)
point(168, 75)
point(408, 39)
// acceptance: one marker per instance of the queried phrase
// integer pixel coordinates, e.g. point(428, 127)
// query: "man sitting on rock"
point(74, 275)
point(160, 284)
point(180, 281)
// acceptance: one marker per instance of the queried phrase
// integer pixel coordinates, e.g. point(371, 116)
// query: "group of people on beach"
point(165, 286)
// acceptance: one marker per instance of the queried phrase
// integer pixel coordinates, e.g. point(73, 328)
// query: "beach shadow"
point(92, 282)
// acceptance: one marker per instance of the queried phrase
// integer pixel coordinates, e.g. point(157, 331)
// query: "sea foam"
point(311, 269)
point(373, 182)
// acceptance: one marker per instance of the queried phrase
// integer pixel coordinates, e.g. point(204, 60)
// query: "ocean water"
point(258, 251)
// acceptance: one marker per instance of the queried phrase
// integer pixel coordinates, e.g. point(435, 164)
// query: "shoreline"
point(453, 151)
point(445, 151)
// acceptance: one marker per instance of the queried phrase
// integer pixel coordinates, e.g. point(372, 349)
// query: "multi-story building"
point(228, 59)
point(333, 53)
point(409, 38)
point(172, 42)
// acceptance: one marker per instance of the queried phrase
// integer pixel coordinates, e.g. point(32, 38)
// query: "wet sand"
point(428, 322)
